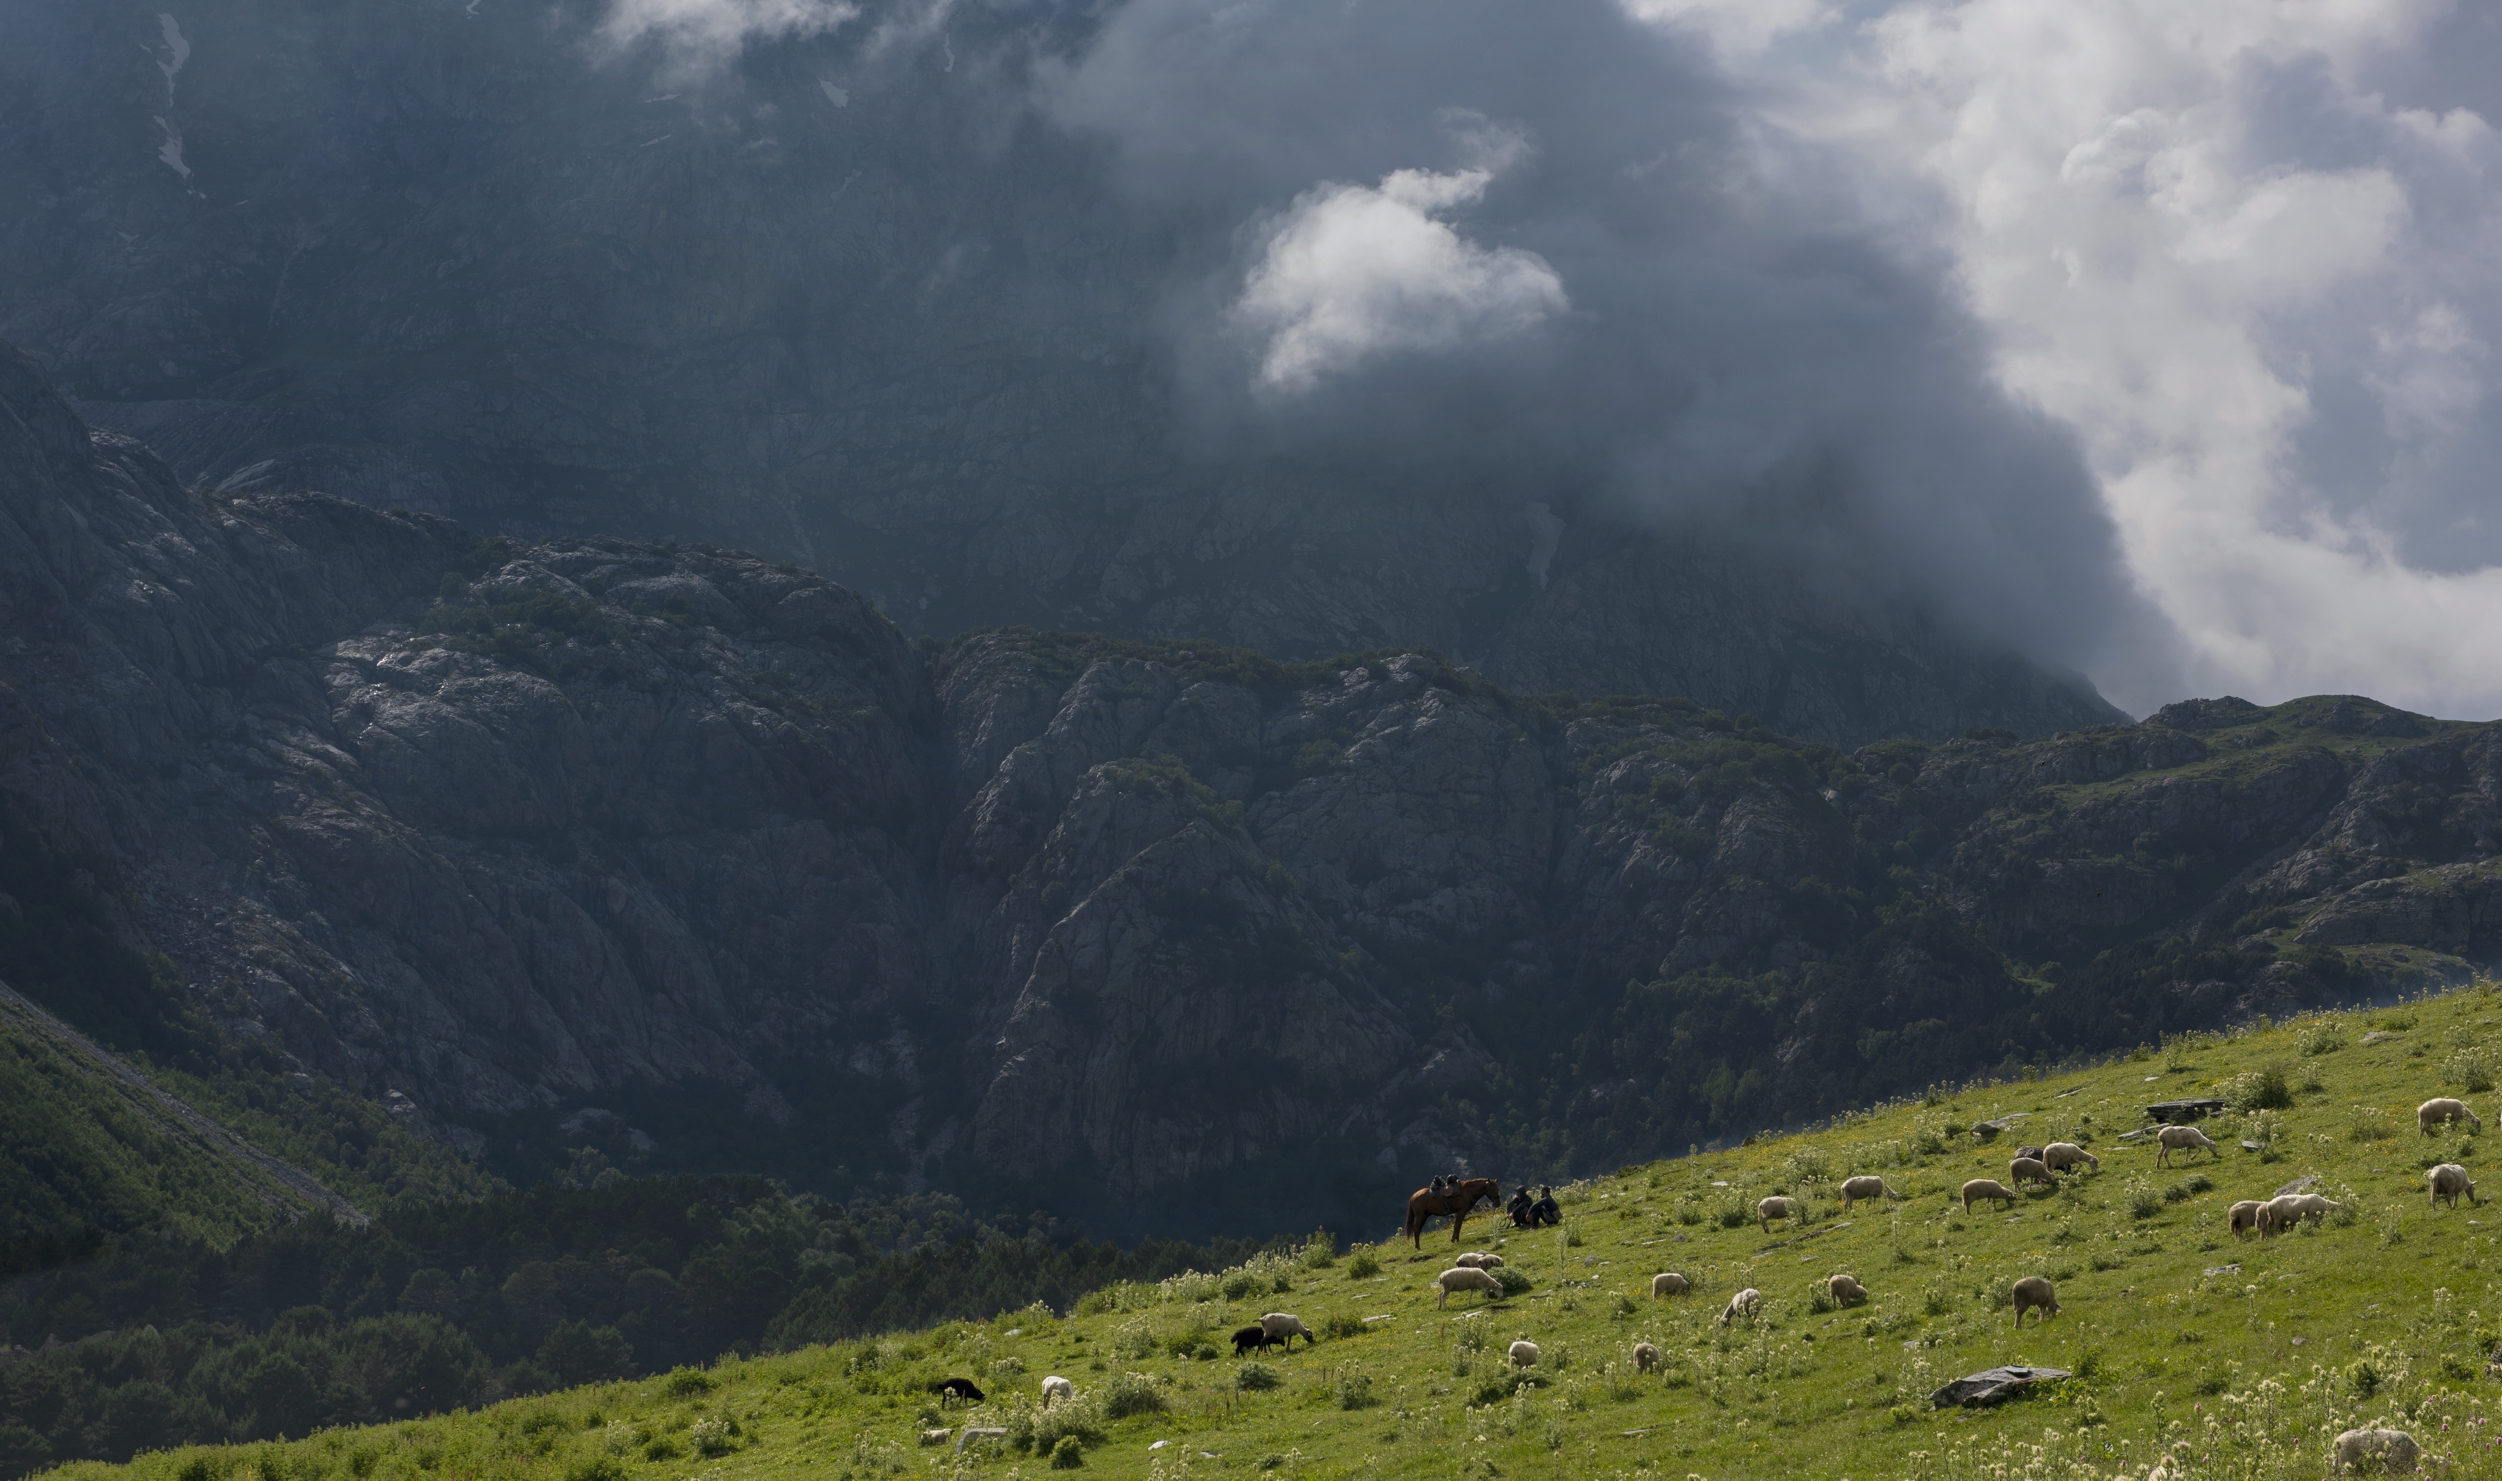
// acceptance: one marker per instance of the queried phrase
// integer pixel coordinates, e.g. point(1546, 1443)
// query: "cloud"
point(701, 34)
point(1351, 271)
point(1672, 308)
point(2246, 252)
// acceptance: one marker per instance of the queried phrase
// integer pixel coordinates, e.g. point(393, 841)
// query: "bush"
point(2321, 1037)
point(1512, 1281)
point(1241, 1284)
point(2369, 1124)
point(1355, 1390)
point(1125, 1394)
point(1320, 1251)
point(2468, 1069)
point(2259, 1090)
point(597, 1468)
point(685, 1383)
point(1363, 1265)
point(710, 1437)
point(1344, 1324)
point(1254, 1378)
point(1068, 1454)
point(2143, 1201)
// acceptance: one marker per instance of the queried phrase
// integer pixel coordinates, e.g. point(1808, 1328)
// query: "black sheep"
point(960, 1388)
point(1250, 1339)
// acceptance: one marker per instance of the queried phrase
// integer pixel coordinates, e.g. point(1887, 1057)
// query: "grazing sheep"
point(2032, 1292)
point(2280, 1214)
point(1866, 1185)
point(1744, 1303)
point(2441, 1111)
point(2060, 1156)
point(2178, 1138)
point(1283, 1329)
point(1524, 1354)
point(2033, 1152)
point(1669, 1283)
point(1056, 1387)
point(2396, 1450)
point(1777, 1207)
point(1645, 1357)
point(1479, 1260)
point(960, 1388)
point(1465, 1278)
point(1250, 1339)
point(2030, 1170)
point(1845, 1290)
point(1980, 1188)
point(2449, 1180)
point(2244, 1216)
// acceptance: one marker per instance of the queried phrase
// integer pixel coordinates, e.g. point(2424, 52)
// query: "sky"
point(2151, 338)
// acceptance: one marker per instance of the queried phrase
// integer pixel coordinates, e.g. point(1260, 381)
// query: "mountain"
point(895, 329)
point(698, 862)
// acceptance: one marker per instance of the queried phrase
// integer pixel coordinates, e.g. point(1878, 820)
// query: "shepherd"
point(1459, 1198)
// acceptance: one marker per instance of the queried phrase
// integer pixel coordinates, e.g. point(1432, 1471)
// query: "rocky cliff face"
point(699, 860)
point(435, 258)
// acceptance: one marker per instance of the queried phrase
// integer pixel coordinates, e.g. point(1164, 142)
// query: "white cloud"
point(2255, 284)
point(704, 33)
point(1349, 272)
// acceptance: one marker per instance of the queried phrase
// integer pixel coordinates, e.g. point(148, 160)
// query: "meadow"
point(2190, 1350)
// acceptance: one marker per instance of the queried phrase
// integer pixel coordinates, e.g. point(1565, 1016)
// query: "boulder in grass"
point(1983, 1389)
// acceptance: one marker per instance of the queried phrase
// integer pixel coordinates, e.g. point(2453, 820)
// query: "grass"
point(2240, 1357)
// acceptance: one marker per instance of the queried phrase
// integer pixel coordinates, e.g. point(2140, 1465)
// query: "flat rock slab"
point(2175, 1111)
point(980, 1432)
point(2298, 1185)
point(1982, 1389)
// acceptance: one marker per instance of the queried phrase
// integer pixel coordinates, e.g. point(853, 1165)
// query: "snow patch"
point(171, 150)
point(834, 95)
point(178, 51)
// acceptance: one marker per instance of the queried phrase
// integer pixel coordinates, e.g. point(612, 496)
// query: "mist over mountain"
point(1305, 327)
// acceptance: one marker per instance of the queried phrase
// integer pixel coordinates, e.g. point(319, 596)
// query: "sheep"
point(1056, 1387)
point(1250, 1339)
point(2243, 1216)
point(960, 1388)
point(1669, 1283)
point(2032, 1292)
point(1645, 1357)
point(1744, 1303)
point(1465, 1278)
point(2178, 1138)
point(1778, 1207)
point(2441, 1111)
point(1479, 1260)
point(2282, 1213)
point(1866, 1185)
point(1980, 1188)
point(1283, 1329)
point(2029, 1170)
point(2033, 1152)
point(1845, 1290)
point(2396, 1450)
point(2449, 1180)
point(2061, 1156)
point(1524, 1354)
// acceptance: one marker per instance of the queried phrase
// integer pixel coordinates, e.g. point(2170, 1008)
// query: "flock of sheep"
point(2393, 1450)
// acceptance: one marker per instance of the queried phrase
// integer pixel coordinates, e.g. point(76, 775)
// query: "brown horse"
point(1459, 1203)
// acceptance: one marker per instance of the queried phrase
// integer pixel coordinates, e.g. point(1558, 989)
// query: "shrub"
point(1038, 1430)
point(1242, 1283)
point(1254, 1378)
point(1125, 1394)
point(2321, 1036)
point(1808, 1164)
point(2369, 1124)
point(1320, 1251)
point(710, 1437)
point(1068, 1454)
point(662, 1447)
point(685, 1383)
point(2259, 1090)
point(1007, 1367)
point(2143, 1201)
point(1344, 1324)
point(1512, 1281)
point(2470, 1070)
point(1355, 1390)
point(597, 1468)
point(1572, 1239)
point(1363, 1265)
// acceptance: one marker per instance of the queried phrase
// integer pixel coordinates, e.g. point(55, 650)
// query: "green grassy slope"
point(87, 1140)
point(2240, 1355)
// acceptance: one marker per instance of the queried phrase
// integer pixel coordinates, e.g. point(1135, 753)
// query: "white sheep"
point(1645, 1357)
point(1463, 1278)
point(1056, 1387)
point(2282, 1213)
point(2029, 1170)
point(1744, 1303)
point(1866, 1185)
point(1479, 1260)
point(1845, 1290)
point(1669, 1283)
point(2243, 1216)
point(2181, 1138)
point(1283, 1329)
point(1778, 1207)
point(2031, 1292)
point(1524, 1354)
point(2060, 1156)
point(2396, 1450)
point(2449, 1180)
point(2441, 1110)
point(1980, 1188)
